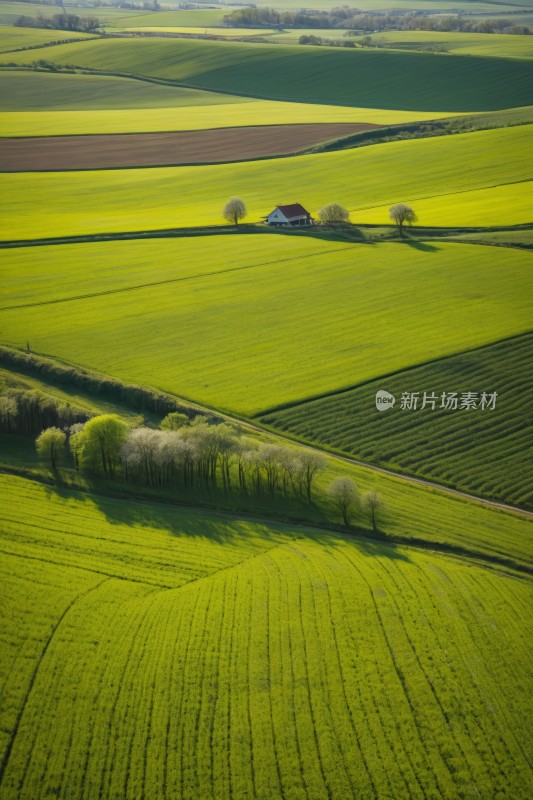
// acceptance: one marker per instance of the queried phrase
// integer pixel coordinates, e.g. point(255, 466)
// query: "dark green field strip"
point(485, 451)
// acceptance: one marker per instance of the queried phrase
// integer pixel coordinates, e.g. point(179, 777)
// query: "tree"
point(333, 214)
point(346, 495)
point(234, 210)
point(309, 465)
point(373, 502)
point(50, 445)
point(401, 215)
point(174, 421)
point(103, 437)
point(8, 411)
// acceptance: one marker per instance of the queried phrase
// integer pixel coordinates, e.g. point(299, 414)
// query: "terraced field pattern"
point(219, 641)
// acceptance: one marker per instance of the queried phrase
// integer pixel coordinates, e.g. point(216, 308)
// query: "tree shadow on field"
point(348, 234)
point(176, 517)
point(367, 543)
point(425, 247)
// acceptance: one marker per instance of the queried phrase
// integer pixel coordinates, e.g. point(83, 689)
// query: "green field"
point(510, 204)
point(407, 81)
point(46, 92)
point(473, 44)
point(39, 205)
point(17, 38)
point(292, 662)
point(183, 634)
point(480, 451)
point(192, 336)
point(43, 104)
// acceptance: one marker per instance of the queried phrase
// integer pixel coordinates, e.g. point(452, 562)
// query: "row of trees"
point(330, 215)
point(60, 22)
point(27, 412)
point(184, 454)
point(370, 23)
point(362, 21)
point(200, 457)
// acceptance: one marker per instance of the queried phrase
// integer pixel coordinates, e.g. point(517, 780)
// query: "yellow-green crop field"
point(41, 205)
point(509, 204)
point(191, 334)
point(168, 642)
point(334, 76)
point(295, 664)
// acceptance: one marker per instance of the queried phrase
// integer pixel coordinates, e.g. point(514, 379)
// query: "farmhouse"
point(290, 215)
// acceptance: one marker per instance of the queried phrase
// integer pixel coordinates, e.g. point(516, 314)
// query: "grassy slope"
point(408, 81)
point(13, 38)
point(474, 44)
point(478, 451)
point(39, 104)
point(50, 92)
point(193, 337)
point(262, 676)
point(509, 204)
point(54, 204)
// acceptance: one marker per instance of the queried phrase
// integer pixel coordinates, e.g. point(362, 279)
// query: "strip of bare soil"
point(105, 151)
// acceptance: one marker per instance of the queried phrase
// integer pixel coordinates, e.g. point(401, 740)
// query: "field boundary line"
point(384, 376)
point(9, 748)
point(175, 280)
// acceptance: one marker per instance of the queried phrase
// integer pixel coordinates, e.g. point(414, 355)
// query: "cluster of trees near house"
point(193, 455)
point(60, 22)
point(331, 214)
point(362, 22)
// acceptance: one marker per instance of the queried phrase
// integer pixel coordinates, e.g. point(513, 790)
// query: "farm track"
point(196, 147)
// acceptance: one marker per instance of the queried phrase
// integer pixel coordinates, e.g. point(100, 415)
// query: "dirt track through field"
point(107, 151)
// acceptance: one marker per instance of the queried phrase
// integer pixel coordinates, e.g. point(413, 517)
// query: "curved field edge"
point(101, 201)
point(481, 450)
point(315, 666)
point(408, 81)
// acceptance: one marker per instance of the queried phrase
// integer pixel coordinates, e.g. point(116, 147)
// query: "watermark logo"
point(384, 400)
point(433, 401)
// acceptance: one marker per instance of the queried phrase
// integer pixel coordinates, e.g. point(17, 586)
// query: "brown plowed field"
point(103, 151)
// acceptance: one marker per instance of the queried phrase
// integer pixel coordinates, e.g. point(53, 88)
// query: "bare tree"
point(373, 503)
point(401, 215)
point(234, 210)
point(346, 495)
point(333, 214)
point(309, 465)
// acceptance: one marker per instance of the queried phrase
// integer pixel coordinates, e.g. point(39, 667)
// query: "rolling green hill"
point(192, 335)
point(49, 92)
point(290, 662)
point(480, 451)
point(53, 204)
point(408, 81)
point(16, 38)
